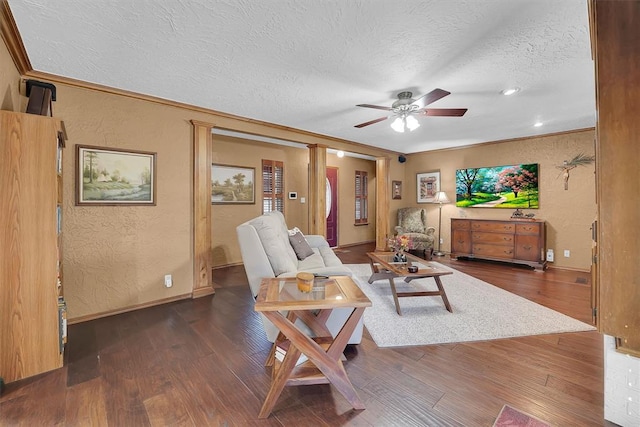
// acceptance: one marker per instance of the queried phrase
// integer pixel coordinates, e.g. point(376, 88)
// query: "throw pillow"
point(300, 245)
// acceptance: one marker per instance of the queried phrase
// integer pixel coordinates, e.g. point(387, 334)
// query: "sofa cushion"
point(278, 251)
point(311, 262)
point(300, 245)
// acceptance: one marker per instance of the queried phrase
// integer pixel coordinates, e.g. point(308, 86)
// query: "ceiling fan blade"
point(432, 96)
point(445, 112)
point(361, 125)
point(374, 106)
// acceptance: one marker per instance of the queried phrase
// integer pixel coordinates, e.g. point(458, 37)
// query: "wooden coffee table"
point(383, 267)
point(323, 350)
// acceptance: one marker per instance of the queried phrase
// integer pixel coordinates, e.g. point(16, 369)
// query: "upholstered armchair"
point(412, 222)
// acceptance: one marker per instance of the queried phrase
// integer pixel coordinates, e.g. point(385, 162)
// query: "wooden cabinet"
point(30, 268)
point(617, 60)
point(511, 241)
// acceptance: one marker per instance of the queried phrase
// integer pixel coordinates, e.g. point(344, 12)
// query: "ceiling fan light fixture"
point(510, 91)
point(398, 124)
point(412, 123)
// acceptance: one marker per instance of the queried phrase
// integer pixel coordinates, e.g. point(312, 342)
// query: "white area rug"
point(481, 312)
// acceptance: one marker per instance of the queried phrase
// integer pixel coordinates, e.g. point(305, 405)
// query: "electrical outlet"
point(567, 253)
point(441, 241)
point(168, 281)
point(550, 255)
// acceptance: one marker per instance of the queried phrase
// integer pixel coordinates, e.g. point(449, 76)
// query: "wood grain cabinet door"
point(460, 236)
point(528, 247)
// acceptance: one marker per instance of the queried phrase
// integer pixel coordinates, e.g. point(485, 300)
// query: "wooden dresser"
point(517, 241)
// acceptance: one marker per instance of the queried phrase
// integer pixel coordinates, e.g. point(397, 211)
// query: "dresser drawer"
point(492, 251)
point(493, 226)
point(528, 228)
point(460, 224)
point(493, 238)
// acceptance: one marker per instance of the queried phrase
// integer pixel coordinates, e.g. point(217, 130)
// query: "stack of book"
point(281, 351)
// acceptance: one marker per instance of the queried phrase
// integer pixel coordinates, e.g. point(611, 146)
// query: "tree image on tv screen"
point(511, 187)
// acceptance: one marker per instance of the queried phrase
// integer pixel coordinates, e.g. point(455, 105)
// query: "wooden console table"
point(517, 241)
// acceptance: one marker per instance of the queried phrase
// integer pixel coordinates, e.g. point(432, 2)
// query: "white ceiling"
point(305, 64)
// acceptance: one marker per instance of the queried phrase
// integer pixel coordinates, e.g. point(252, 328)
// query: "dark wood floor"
point(200, 362)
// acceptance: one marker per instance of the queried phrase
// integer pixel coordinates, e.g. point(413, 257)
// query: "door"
point(332, 206)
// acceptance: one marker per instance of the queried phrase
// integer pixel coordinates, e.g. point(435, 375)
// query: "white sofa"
point(267, 252)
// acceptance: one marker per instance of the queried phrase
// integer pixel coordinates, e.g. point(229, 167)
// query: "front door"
point(332, 206)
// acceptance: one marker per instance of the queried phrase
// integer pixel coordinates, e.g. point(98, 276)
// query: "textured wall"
point(349, 233)
point(249, 153)
point(568, 213)
point(116, 256)
point(244, 152)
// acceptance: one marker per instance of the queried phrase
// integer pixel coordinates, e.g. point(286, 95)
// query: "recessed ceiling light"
point(340, 153)
point(510, 91)
point(538, 124)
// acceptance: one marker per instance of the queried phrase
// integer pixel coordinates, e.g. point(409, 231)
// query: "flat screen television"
point(509, 187)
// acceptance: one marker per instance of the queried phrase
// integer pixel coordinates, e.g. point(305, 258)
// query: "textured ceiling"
point(307, 63)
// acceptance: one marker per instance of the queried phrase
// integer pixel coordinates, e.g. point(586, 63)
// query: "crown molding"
point(12, 39)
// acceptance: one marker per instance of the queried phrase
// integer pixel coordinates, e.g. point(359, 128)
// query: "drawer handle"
point(509, 252)
point(506, 239)
point(527, 247)
point(460, 241)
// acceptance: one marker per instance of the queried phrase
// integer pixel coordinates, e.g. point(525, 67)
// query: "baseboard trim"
point(203, 292)
point(95, 316)
point(348, 245)
point(581, 270)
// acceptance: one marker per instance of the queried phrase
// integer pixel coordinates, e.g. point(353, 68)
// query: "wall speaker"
point(402, 158)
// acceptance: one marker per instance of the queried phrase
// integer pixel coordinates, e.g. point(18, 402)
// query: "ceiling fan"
point(405, 108)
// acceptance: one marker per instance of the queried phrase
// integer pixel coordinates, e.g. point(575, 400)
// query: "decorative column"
point(202, 153)
point(317, 189)
point(383, 190)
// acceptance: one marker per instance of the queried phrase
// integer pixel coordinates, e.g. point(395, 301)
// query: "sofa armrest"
point(430, 231)
point(316, 240)
point(399, 230)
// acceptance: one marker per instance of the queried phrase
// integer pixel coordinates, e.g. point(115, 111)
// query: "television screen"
point(511, 187)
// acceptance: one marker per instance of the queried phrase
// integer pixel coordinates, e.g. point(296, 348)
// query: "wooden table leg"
point(328, 362)
point(443, 293)
point(395, 296)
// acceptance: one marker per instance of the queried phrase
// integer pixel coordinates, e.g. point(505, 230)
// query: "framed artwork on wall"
point(232, 184)
point(396, 190)
point(510, 187)
point(113, 176)
point(428, 184)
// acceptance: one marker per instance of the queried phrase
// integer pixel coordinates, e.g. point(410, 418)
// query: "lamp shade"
point(441, 197)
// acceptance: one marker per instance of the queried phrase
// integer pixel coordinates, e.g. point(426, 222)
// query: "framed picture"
point(428, 184)
point(232, 184)
point(396, 190)
point(509, 187)
point(113, 176)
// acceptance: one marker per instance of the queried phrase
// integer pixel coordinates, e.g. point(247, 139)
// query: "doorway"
point(332, 206)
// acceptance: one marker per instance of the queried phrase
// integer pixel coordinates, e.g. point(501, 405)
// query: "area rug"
point(511, 417)
point(481, 312)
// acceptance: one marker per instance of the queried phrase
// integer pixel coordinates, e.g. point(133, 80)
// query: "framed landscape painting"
point(113, 176)
point(428, 184)
point(509, 187)
point(232, 184)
